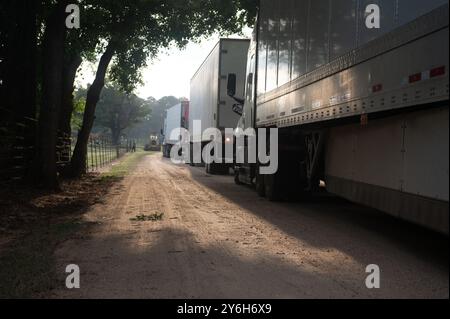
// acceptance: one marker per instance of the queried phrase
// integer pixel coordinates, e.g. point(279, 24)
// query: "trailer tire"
point(211, 169)
point(217, 169)
point(191, 155)
point(272, 187)
point(259, 184)
point(223, 169)
point(237, 181)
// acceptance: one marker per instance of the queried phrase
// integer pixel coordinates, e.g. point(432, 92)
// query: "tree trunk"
point(53, 61)
point(115, 138)
point(69, 74)
point(18, 36)
point(65, 118)
point(115, 127)
point(18, 86)
point(115, 134)
point(78, 163)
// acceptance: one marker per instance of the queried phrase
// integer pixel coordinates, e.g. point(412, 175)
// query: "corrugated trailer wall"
point(172, 124)
point(299, 36)
point(210, 102)
point(204, 93)
point(339, 68)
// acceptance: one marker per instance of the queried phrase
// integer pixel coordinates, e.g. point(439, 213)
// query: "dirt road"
point(218, 240)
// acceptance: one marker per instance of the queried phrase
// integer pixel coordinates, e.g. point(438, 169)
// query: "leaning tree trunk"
point(45, 172)
point(78, 163)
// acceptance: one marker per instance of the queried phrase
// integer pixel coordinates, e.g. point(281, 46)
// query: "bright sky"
point(170, 73)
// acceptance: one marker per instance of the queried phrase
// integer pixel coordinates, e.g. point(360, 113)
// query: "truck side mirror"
point(231, 87)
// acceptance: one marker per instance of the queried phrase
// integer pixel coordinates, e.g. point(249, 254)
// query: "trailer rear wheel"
point(237, 181)
point(273, 187)
point(217, 169)
point(259, 184)
point(211, 169)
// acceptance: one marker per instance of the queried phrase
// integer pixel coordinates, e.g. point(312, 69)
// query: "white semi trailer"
point(210, 104)
point(363, 110)
point(177, 118)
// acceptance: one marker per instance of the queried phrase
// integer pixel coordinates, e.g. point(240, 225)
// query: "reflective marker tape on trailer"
point(377, 88)
point(415, 78)
point(425, 75)
point(437, 72)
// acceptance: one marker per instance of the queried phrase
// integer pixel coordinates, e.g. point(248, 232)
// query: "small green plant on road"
point(148, 218)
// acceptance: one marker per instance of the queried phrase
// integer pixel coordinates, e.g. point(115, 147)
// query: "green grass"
point(126, 165)
point(95, 158)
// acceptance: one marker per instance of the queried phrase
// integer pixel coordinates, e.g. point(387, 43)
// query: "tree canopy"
point(136, 30)
point(155, 122)
point(40, 57)
point(118, 111)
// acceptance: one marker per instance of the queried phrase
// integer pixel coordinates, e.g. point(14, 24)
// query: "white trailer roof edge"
point(212, 51)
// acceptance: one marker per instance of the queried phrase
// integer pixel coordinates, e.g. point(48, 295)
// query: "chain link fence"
point(102, 151)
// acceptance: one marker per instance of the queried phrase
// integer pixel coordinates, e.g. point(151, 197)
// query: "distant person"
point(134, 147)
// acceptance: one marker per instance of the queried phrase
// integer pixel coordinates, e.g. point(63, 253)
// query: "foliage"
point(78, 109)
point(118, 111)
point(138, 29)
point(154, 124)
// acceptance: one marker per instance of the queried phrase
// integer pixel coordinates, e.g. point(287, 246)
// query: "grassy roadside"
point(127, 164)
point(38, 223)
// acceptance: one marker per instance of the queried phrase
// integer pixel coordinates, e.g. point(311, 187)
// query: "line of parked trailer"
point(362, 111)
